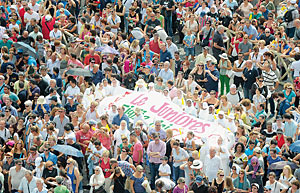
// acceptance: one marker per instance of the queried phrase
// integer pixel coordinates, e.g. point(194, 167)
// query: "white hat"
point(5, 36)
point(231, 116)
point(140, 82)
point(48, 17)
point(221, 113)
point(293, 1)
point(28, 103)
point(41, 100)
point(224, 56)
point(233, 86)
point(13, 7)
point(151, 84)
point(197, 164)
point(208, 59)
point(38, 161)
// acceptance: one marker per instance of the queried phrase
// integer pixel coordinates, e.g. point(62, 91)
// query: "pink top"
point(136, 148)
point(127, 66)
point(76, 63)
point(105, 141)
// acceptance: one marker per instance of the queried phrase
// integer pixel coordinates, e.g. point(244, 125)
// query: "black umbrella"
point(79, 72)
point(26, 48)
point(281, 164)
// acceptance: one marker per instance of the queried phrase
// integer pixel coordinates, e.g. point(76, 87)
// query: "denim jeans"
point(126, 22)
point(177, 173)
point(154, 173)
point(247, 93)
point(168, 26)
point(272, 105)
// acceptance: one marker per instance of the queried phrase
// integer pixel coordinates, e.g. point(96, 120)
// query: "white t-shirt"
point(296, 67)
point(276, 187)
point(34, 15)
point(5, 134)
point(55, 35)
point(35, 8)
point(110, 21)
point(72, 91)
point(238, 65)
point(165, 169)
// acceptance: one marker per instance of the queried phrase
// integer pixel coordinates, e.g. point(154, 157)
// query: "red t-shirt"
point(88, 56)
point(105, 166)
point(81, 137)
point(154, 47)
point(280, 141)
point(105, 141)
point(45, 30)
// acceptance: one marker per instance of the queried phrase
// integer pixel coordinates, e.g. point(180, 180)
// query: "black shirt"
point(119, 184)
point(154, 23)
point(11, 80)
point(268, 39)
point(203, 188)
point(29, 40)
point(166, 4)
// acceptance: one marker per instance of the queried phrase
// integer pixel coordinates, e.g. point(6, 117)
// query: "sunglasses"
point(48, 166)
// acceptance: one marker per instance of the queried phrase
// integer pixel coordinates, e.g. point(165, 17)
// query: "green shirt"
point(61, 189)
point(7, 44)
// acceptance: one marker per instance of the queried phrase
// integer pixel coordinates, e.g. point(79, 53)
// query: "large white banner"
point(157, 107)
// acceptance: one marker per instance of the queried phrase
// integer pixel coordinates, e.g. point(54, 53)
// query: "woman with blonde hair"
point(287, 177)
point(135, 47)
point(218, 182)
point(199, 73)
point(73, 173)
point(289, 93)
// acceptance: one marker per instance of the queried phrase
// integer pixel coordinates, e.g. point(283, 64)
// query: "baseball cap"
point(199, 178)
point(164, 158)
point(70, 97)
point(53, 98)
point(5, 36)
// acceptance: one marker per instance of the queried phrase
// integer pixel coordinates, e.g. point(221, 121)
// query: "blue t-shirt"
point(189, 40)
point(290, 96)
point(249, 152)
point(211, 84)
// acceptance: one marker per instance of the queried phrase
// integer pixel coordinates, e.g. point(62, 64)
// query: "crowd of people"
point(215, 60)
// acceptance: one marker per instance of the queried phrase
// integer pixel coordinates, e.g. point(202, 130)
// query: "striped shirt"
point(125, 166)
point(269, 78)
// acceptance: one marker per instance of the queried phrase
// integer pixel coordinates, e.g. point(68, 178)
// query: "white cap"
point(233, 86)
point(293, 1)
point(28, 103)
point(221, 113)
point(48, 17)
point(5, 36)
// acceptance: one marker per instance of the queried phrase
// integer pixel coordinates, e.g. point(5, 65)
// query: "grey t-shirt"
point(245, 48)
point(16, 177)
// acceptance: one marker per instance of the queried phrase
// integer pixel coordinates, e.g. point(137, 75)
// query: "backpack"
point(288, 16)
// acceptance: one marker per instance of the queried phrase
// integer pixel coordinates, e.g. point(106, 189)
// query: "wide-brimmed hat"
point(224, 56)
point(41, 100)
point(197, 164)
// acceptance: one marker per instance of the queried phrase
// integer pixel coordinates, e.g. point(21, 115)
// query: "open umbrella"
point(295, 147)
point(26, 48)
point(107, 50)
point(281, 164)
point(68, 150)
point(79, 72)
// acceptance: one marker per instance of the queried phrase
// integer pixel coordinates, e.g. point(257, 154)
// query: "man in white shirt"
point(4, 132)
point(296, 66)
point(276, 186)
point(15, 176)
point(171, 47)
point(212, 164)
point(28, 183)
point(55, 34)
point(35, 32)
point(73, 89)
point(30, 14)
